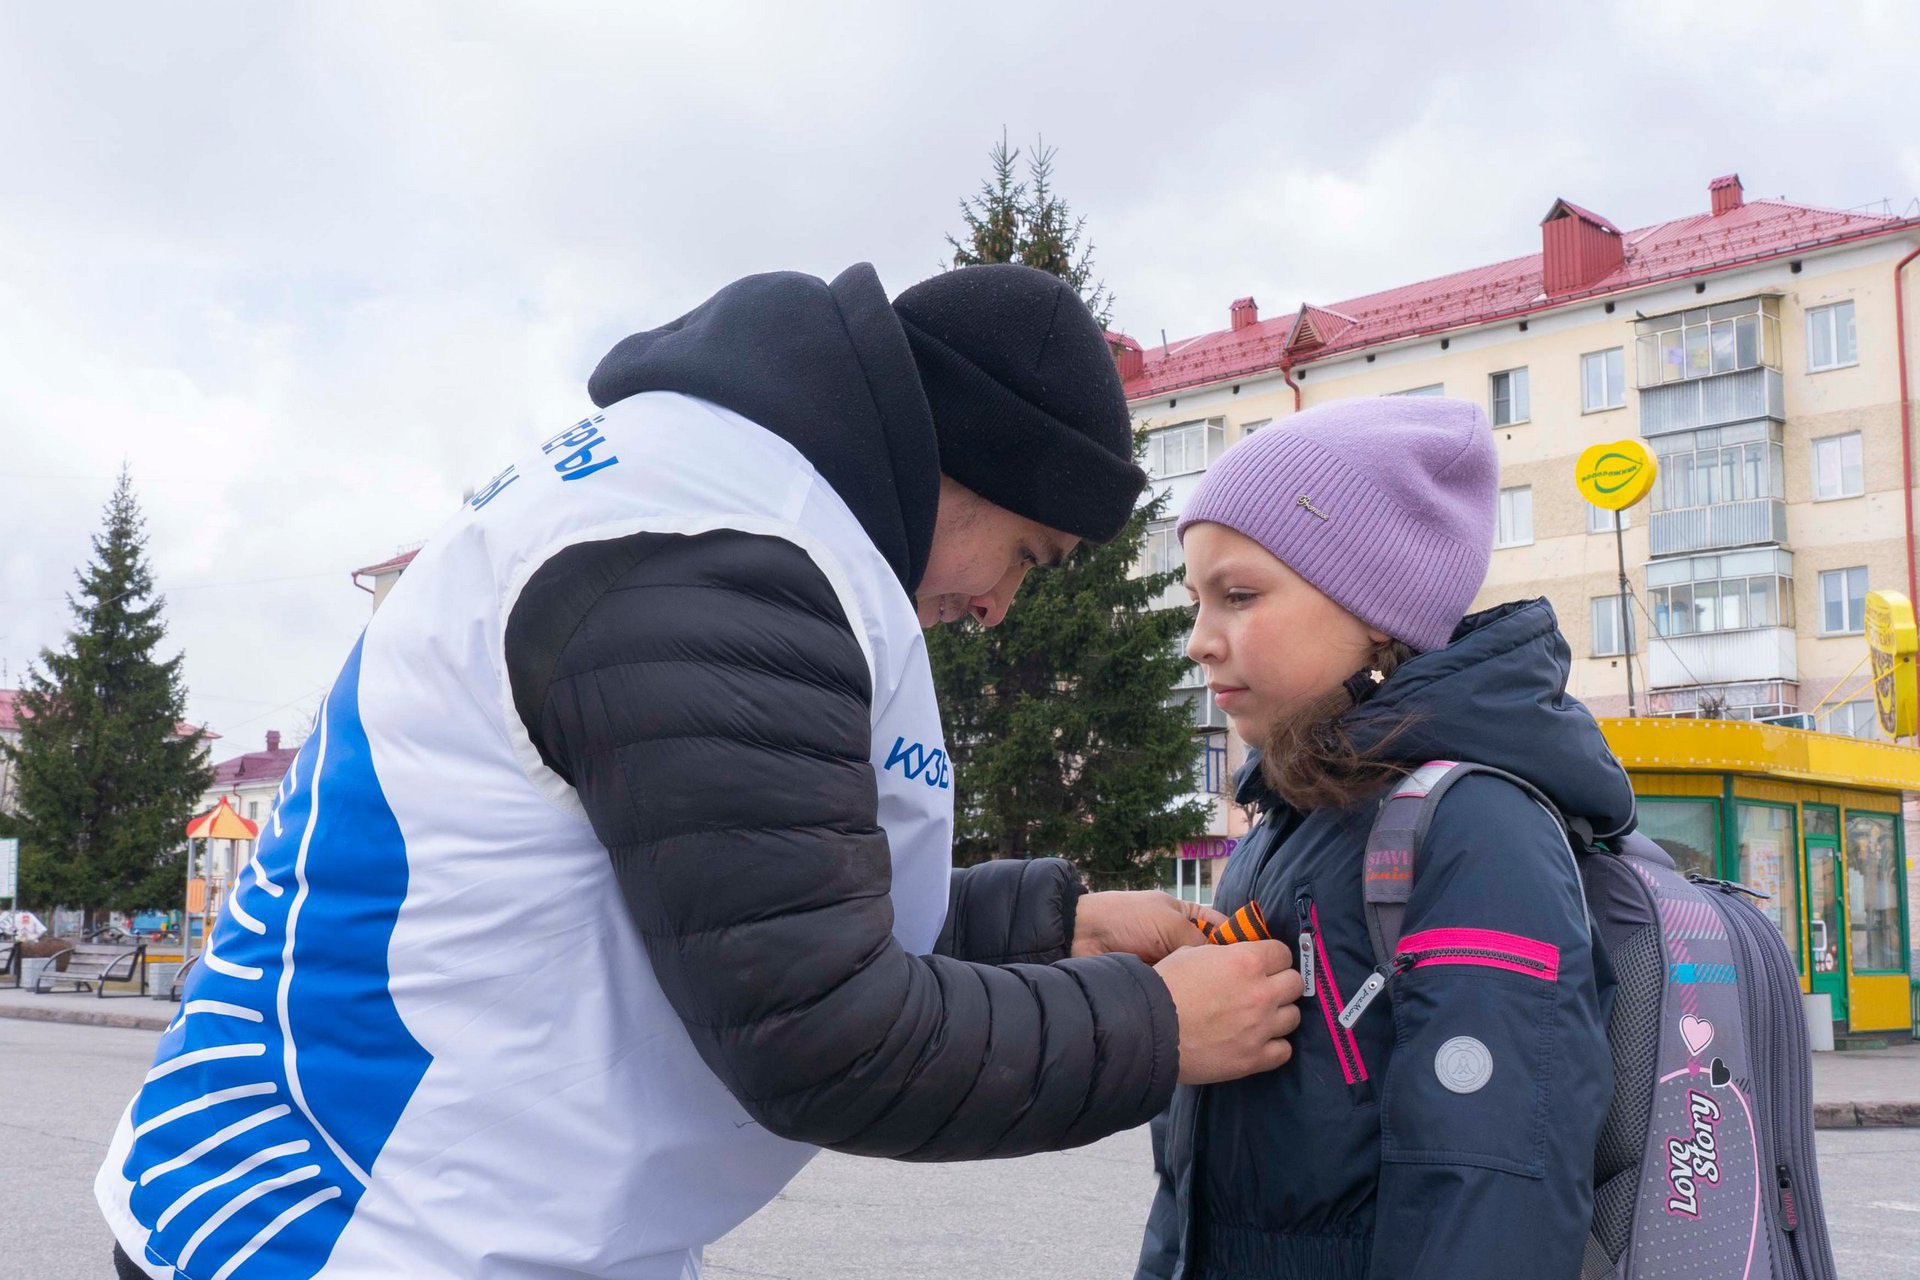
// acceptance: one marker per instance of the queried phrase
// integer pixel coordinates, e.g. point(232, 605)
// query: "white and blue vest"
point(425, 1039)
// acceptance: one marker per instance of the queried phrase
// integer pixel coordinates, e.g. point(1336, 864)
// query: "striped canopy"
point(222, 823)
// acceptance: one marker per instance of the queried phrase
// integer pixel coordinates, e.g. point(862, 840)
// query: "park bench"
point(92, 965)
point(180, 979)
point(10, 961)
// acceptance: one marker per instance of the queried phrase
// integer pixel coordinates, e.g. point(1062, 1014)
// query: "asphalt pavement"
point(1072, 1216)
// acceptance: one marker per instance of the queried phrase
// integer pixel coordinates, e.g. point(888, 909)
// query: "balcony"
point(1723, 657)
point(1713, 401)
point(1718, 525)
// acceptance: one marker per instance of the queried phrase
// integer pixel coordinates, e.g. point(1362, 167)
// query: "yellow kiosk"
point(1812, 820)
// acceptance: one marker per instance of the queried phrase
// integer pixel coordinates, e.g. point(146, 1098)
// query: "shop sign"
point(1210, 847)
point(1891, 643)
point(1615, 476)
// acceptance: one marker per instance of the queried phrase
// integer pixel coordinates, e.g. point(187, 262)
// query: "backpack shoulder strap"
point(1400, 828)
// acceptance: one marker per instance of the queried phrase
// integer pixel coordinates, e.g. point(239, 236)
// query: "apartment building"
point(1756, 347)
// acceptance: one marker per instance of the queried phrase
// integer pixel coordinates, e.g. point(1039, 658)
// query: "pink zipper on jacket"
point(1485, 947)
point(1345, 1047)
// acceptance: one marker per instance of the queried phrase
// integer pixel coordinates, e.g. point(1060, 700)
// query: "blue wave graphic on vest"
point(274, 1090)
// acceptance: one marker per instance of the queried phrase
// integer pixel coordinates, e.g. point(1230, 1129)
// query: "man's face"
point(981, 554)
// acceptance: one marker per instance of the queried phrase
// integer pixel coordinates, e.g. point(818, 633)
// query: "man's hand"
point(1144, 922)
point(1236, 1006)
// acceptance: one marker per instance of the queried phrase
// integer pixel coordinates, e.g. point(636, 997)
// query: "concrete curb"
point(108, 1017)
point(1826, 1115)
point(1866, 1115)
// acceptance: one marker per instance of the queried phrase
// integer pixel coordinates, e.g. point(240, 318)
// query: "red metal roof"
point(1578, 212)
point(390, 564)
point(10, 714)
point(1212, 357)
point(1756, 231)
point(254, 768)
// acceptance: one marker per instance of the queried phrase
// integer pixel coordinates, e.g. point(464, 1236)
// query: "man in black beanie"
point(705, 606)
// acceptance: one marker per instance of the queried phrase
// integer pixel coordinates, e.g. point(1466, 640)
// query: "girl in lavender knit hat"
point(1439, 1114)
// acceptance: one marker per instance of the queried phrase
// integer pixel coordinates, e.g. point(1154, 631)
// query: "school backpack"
point(1705, 1166)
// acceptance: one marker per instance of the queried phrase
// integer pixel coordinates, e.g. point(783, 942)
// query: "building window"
point(253, 811)
point(1830, 338)
point(1516, 517)
point(1161, 553)
point(1600, 520)
point(1843, 601)
point(1689, 830)
point(1708, 340)
point(1192, 692)
point(1606, 627)
point(1734, 592)
point(1509, 395)
point(1191, 879)
point(1431, 389)
point(1768, 859)
point(1184, 449)
point(1719, 464)
point(1836, 467)
point(1603, 380)
point(1873, 892)
point(1201, 708)
point(1248, 428)
point(1210, 767)
point(1855, 720)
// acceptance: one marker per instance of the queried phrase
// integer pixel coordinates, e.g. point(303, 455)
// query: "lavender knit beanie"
point(1387, 505)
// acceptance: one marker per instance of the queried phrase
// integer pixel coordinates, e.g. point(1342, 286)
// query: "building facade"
point(1755, 347)
point(9, 734)
point(250, 783)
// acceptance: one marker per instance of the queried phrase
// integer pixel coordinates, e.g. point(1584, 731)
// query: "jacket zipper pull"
point(1369, 992)
point(1307, 957)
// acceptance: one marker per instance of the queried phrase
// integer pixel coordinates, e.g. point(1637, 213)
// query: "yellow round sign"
point(1615, 476)
point(1891, 643)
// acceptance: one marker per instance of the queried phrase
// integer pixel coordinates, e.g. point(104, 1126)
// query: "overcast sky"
point(313, 269)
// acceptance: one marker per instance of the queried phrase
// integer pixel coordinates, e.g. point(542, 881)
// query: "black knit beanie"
point(1027, 403)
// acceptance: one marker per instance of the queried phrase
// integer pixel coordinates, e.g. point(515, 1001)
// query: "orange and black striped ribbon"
point(1245, 925)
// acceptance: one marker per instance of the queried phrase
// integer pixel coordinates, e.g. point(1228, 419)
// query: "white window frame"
point(1210, 432)
point(1162, 552)
point(1860, 714)
point(1613, 371)
point(1504, 529)
point(1828, 317)
point(1608, 608)
point(1843, 576)
point(1248, 428)
point(1694, 588)
point(1600, 520)
point(1837, 469)
point(1431, 389)
point(1160, 534)
point(1519, 405)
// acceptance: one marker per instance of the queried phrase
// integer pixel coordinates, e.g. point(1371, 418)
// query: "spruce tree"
point(106, 779)
point(1063, 738)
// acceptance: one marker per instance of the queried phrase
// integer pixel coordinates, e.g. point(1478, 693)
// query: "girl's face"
point(1272, 644)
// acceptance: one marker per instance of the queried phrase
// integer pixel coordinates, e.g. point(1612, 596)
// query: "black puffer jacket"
point(708, 701)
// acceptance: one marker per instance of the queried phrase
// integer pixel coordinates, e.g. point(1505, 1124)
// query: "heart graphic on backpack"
point(1697, 1032)
point(1719, 1073)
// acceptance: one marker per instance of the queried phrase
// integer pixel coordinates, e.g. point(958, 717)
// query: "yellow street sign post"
point(1892, 640)
point(1613, 477)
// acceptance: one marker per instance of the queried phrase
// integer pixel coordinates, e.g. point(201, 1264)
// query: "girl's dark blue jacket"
point(1451, 1133)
